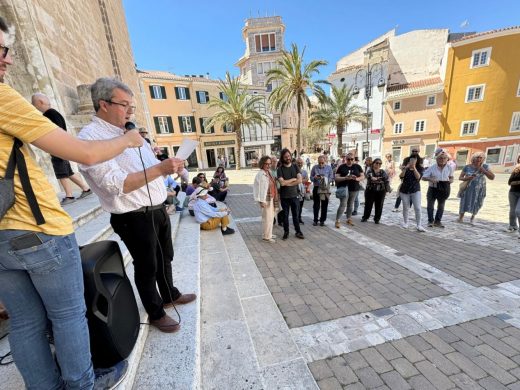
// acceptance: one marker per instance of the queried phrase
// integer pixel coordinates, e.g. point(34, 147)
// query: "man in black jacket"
point(62, 168)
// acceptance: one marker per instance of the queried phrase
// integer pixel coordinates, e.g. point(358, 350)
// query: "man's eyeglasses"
point(125, 105)
point(3, 51)
point(350, 159)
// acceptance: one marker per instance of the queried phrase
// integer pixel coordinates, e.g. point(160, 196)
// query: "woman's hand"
point(263, 205)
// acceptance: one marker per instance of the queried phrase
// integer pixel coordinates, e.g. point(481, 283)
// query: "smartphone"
point(25, 241)
point(413, 160)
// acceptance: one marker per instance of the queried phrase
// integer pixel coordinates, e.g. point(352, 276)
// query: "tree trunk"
point(238, 133)
point(339, 131)
point(298, 130)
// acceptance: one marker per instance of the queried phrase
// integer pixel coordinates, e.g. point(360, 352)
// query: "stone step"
point(172, 361)
point(83, 210)
point(245, 342)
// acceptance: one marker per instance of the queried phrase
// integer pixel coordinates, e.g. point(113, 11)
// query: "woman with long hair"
point(474, 191)
point(375, 191)
point(266, 194)
point(410, 190)
point(514, 197)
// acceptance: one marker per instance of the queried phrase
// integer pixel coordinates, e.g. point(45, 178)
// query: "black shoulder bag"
point(17, 160)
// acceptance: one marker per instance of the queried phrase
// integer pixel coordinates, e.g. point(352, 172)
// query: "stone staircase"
point(232, 337)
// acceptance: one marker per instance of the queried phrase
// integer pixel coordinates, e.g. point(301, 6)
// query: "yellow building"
point(482, 86)
point(177, 108)
point(412, 117)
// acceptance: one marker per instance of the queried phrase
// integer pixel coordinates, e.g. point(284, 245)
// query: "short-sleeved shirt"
point(344, 170)
point(288, 173)
point(20, 119)
point(411, 184)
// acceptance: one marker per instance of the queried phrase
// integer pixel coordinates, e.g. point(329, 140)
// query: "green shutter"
point(170, 123)
point(151, 91)
point(207, 96)
point(177, 93)
point(198, 97)
point(163, 92)
point(156, 123)
point(181, 125)
point(193, 127)
point(201, 121)
point(187, 93)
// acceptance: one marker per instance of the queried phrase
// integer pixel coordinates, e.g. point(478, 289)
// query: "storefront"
point(402, 147)
point(253, 153)
point(215, 150)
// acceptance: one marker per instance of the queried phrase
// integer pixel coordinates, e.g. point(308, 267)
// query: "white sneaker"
point(404, 225)
point(395, 210)
point(420, 228)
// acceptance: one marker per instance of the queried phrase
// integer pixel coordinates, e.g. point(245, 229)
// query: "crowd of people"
point(280, 188)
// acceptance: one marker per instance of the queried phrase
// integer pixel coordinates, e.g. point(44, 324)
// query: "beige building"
point(264, 38)
point(60, 46)
point(412, 117)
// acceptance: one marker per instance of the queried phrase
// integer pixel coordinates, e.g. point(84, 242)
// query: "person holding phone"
point(472, 198)
point(349, 175)
point(410, 190)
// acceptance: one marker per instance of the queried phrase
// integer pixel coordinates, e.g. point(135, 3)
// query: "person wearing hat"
point(210, 217)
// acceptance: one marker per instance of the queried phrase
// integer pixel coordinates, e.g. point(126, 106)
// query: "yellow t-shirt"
point(20, 119)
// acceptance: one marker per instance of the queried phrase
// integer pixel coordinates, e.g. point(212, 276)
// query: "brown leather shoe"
point(182, 300)
point(166, 324)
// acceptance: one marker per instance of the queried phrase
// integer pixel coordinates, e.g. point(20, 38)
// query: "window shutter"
point(201, 122)
point(198, 96)
point(156, 123)
point(221, 95)
point(187, 93)
point(170, 123)
point(177, 93)
point(193, 127)
point(207, 95)
point(163, 92)
point(181, 125)
point(151, 91)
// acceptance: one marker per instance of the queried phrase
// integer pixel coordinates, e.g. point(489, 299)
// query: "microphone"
point(129, 126)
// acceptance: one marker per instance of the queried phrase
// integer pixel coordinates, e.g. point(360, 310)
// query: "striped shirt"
point(20, 119)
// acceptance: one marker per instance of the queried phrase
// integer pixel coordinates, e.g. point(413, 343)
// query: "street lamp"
point(370, 73)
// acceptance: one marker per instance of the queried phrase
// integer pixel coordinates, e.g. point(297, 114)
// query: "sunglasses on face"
point(415, 151)
point(377, 163)
point(350, 159)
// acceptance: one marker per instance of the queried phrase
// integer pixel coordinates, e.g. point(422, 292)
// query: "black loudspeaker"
point(113, 317)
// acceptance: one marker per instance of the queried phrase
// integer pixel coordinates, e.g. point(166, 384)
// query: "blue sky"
point(195, 37)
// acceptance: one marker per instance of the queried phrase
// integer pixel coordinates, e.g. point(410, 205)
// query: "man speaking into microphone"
point(131, 188)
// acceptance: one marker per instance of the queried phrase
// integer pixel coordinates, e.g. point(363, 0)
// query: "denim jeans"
point(348, 203)
point(514, 209)
point(356, 202)
point(415, 199)
point(291, 205)
point(434, 194)
point(41, 283)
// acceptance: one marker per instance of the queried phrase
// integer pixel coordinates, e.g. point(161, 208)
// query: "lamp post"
point(369, 74)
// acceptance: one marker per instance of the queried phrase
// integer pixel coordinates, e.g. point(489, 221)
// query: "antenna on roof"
point(464, 24)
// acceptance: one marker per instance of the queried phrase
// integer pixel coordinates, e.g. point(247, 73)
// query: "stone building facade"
point(60, 45)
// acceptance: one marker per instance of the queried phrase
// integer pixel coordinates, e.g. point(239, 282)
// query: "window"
point(164, 150)
point(509, 154)
point(493, 155)
point(202, 97)
point(420, 125)
point(398, 128)
point(182, 93)
point(223, 96)
point(157, 92)
point(475, 93)
point(276, 121)
point(469, 128)
point(269, 87)
point(187, 124)
point(203, 128)
point(264, 67)
point(163, 124)
point(430, 149)
point(430, 100)
point(480, 58)
point(518, 90)
point(265, 42)
point(397, 105)
point(227, 128)
point(515, 122)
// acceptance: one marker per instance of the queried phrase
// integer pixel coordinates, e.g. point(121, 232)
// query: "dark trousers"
point(280, 216)
point(300, 211)
point(220, 196)
point(150, 268)
point(317, 204)
point(291, 205)
point(376, 199)
point(439, 195)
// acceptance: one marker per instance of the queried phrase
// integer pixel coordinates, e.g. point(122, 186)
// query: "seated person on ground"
point(195, 182)
point(210, 217)
point(218, 192)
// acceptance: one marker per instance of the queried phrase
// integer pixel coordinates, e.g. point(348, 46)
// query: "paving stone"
point(418, 343)
point(388, 351)
point(496, 356)
point(342, 371)
point(466, 365)
point(329, 384)
point(404, 367)
point(355, 360)
point(494, 370)
point(395, 381)
point(446, 335)
point(437, 342)
point(465, 336)
point(491, 383)
point(462, 381)
point(439, 361)
point(437, 378)
point(465, 349)
point(355, 386)
point(498, 345)
point(419, 382)
point(408, 351)
point(376, 360)
point(369, 377)
point(320, 370)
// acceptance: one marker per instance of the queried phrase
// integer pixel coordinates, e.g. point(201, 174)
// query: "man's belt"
point(145, 209)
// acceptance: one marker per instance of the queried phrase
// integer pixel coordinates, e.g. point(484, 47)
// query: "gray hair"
point(103, 88)
point(478, 154)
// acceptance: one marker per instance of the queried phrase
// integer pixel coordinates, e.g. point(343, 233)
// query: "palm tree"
point(336, 111)
point(293, 79)
point(237, 108)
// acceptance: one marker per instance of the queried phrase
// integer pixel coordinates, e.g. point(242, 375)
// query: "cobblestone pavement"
point(378, 306)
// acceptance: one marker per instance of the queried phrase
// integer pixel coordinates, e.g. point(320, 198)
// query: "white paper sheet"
point(186, 149)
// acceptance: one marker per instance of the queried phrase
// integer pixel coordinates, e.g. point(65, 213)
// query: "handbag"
point(7, 198)
point(462, 188)
point(341, 192)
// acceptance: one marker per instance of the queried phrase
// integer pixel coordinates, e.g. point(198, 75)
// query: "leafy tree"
point(336, 111)
point(293, 79)
point(237, 108)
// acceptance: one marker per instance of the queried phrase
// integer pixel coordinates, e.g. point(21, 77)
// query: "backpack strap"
point(11, 164)
point(19, 161)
